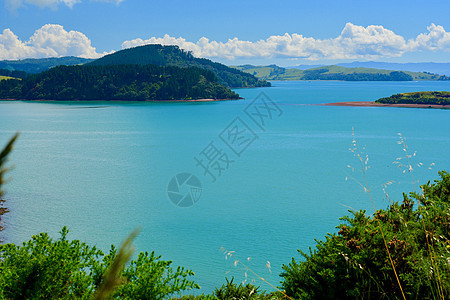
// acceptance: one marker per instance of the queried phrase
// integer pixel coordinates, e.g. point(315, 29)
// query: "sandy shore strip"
point(119, 100)
point(374, 104)
point(194, 100)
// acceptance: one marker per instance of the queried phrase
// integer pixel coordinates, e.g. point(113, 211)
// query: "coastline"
point(374, 104)
point(192, 100)
point(123, 100)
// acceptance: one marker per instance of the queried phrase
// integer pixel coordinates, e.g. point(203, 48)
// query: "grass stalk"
point(366, 187)
point(430, 245)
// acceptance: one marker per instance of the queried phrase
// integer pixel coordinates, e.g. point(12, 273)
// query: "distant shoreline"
point(122, 100)
point(374, 104)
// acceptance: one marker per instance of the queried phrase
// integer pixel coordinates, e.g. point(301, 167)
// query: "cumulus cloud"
point(436, 39)
point(48, 41)
point(13, 5)
point(354, 42)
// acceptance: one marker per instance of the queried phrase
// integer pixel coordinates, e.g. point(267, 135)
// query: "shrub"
point(43, 268)
point(231, 290)
point(354, 262)
point(63, 269)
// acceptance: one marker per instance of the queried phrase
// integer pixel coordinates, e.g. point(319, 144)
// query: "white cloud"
point(354, 42)
point(436, 39)
point(367, 42)
point(13, 5)
point(48, 41)
point(11, 47)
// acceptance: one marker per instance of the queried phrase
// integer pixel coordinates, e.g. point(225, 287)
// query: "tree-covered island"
point(428, 98)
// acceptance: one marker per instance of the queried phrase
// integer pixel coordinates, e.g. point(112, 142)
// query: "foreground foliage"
point(241, 291)
point(63, 269)
point(3, 170)
point(354, 263)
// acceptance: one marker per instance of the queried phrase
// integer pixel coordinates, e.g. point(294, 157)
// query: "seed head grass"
point(363, 160)
point(244, 264)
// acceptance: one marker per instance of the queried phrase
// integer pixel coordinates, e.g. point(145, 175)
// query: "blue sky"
point(233, 32)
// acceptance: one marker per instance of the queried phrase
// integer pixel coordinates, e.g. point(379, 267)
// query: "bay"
point(103, 169)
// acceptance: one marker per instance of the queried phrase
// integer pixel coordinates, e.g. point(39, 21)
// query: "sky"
point(258, 32)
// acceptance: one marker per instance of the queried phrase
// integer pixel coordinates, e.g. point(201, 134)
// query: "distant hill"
point(430, 67)
point(437, 68)
point(174, 56)
point(120, 82)
point(37, 65)
point(431, 98)
point(273, 72)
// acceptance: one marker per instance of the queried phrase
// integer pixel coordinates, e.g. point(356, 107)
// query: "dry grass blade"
point(248, 269)
point(4, 158)
point(112, 277)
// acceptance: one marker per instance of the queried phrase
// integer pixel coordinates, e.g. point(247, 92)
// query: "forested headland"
point(117, 82)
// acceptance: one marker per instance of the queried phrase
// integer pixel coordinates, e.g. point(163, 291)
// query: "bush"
point(148, 277)
point(43, 268)
point(62, 269)
point(230, 290)
point(354, 263)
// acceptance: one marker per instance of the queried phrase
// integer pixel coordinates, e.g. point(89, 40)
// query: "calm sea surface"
point(279, 166)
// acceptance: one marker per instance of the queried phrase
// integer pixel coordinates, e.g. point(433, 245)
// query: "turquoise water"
point(103, 169)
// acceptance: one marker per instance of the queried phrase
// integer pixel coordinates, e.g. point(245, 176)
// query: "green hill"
point(5, 77)
point(433, 67)
point(439, 98)
point(174, 56)
point(120, 82)
point(273, 72)
point(37, 65)
point(12, 74)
